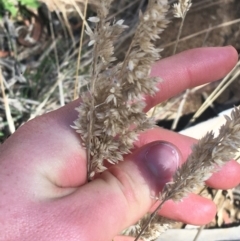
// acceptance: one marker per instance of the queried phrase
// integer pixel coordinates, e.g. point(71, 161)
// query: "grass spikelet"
point(181, 8)
point(111, 114)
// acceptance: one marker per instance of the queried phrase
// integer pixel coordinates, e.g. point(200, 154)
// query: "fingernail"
point(162, 159)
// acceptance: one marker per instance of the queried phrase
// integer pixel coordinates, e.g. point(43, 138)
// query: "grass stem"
point(9, 118)
point(76, 85)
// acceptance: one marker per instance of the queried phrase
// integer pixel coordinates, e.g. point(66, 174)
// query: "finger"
point(191, 68)
point(182, 142)
point(227, 177)
point(202, 210)
point(126, 190)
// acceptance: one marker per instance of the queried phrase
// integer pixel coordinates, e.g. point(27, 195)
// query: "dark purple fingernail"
point(162, 159)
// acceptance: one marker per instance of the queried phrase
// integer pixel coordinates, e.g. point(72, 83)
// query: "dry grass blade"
point(180, 10)
point(235, 21)
point(60, 84)
point(10, 121)
point(79, 11)
point(232, 76)
point(40, 109)
point(180, 109)
point(122, 9)
point(62, 10)
point(201, 5)
point(76, 86)
point(163, 108)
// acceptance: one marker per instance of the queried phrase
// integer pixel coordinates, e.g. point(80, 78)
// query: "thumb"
point(120, 196)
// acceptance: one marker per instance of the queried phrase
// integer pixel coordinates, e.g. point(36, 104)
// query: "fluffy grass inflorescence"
point(111, 113)
point(158, 226)
point(207, 157)
point(181, 8)
point(210, 154)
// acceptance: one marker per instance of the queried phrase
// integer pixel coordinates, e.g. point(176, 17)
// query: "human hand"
point(44, 194)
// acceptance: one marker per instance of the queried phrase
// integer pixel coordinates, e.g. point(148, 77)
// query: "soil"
point(203, 16)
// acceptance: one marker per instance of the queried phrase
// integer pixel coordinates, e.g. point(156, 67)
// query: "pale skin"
point(44, 194)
